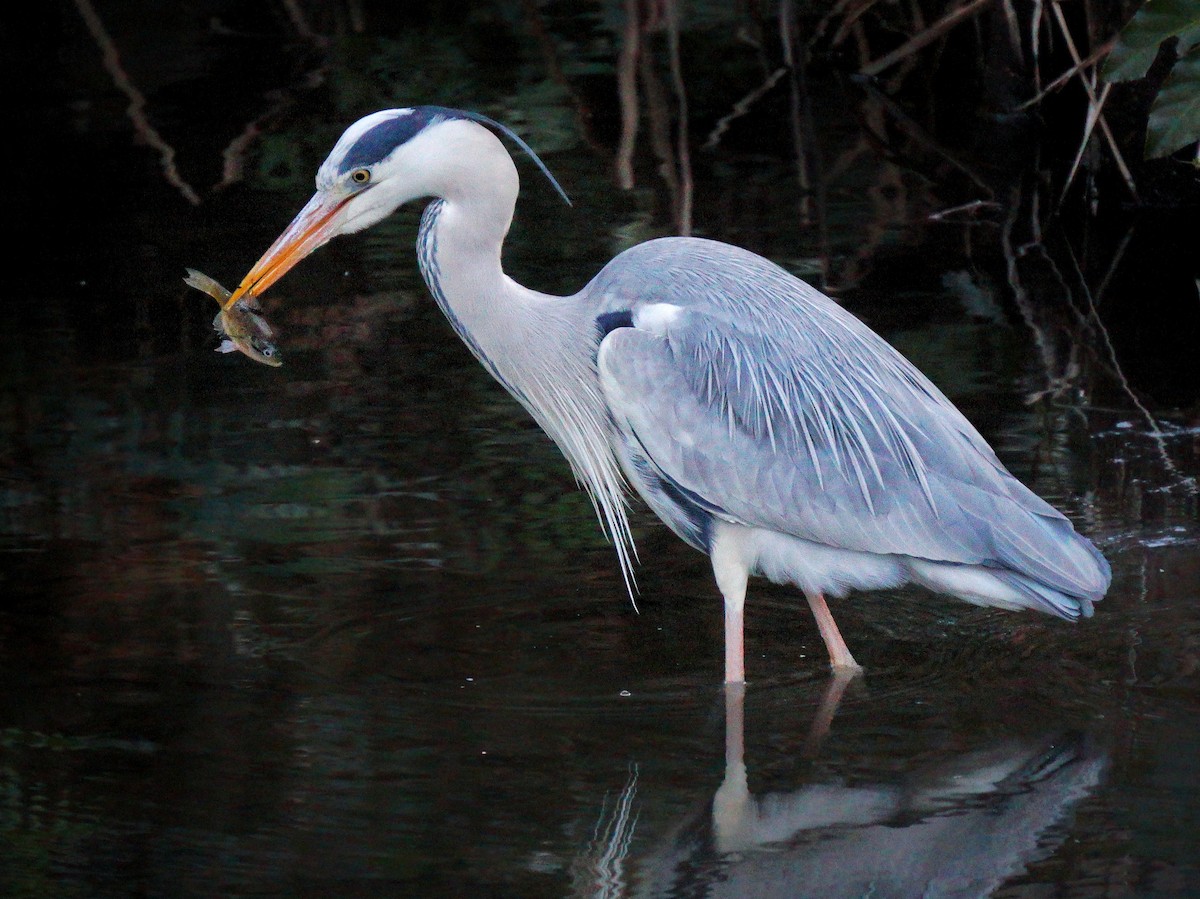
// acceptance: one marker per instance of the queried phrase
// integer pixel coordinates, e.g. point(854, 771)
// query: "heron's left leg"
point(839, 654)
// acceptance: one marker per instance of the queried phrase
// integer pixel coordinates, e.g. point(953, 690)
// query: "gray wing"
point(767, 403)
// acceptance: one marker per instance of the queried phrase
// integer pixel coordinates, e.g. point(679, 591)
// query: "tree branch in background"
point(136, 110)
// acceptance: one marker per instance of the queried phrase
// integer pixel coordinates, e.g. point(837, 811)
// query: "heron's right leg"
point(839, 654)
point(732, 573)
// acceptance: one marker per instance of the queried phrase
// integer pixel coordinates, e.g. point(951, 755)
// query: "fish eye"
point(360, 176)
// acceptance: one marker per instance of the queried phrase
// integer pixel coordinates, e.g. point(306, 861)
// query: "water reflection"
point(962, 825)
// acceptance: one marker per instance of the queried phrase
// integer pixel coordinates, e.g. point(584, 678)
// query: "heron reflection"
point(960, 827)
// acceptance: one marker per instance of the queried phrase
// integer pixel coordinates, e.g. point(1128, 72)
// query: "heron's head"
point(381, 162)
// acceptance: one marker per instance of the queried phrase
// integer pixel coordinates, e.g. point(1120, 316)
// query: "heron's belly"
point(813, 567)
point(781, 558)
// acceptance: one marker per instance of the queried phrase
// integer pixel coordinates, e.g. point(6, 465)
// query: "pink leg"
point(839, 655)
point(732, 572)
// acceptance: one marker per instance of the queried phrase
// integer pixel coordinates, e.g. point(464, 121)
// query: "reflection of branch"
point(296, 16)
point(1160, 440)
point(848, 157)
point(583, 115)
point(1112, 267)
point(137, 101)
point(886, 193)
point(684, 212)
point(234, 155)
point(658, 114)
point(889, 205)
point(1020, 295)
point(634, 67)
point(787, 28)
point(627, 61)
point(741, 107)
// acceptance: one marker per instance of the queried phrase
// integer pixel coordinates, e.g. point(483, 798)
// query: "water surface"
point(347, 627)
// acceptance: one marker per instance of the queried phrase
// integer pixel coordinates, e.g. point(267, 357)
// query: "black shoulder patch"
point(381, 140)
point(607, 322)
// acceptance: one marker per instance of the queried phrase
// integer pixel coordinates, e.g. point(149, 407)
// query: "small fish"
point(241, 325)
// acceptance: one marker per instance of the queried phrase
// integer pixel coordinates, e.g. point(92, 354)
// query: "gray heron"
point(765, 425)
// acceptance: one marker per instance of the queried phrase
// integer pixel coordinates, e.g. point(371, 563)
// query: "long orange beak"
point(311, 228)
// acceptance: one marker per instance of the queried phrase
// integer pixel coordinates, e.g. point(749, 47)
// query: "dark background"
point(346, 627)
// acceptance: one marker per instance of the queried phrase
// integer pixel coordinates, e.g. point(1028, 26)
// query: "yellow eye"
point(360, 176)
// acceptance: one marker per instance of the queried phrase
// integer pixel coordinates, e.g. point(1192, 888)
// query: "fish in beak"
point(241, 325)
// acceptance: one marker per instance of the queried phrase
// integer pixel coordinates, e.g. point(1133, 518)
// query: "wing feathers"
point(767, 400)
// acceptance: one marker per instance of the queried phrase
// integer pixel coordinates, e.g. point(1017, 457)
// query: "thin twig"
point(971, 208)
point(1094, 112)
point(300, 22)
point(1066, 76)
point(924, 38)
point(1091, 92)
point(1035, 42)
point(849, 19)
point(1014, 31)
point(1116, 261)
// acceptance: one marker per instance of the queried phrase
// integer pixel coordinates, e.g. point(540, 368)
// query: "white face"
point(381, 162)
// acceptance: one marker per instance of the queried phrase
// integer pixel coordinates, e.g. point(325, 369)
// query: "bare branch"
point(924, 38)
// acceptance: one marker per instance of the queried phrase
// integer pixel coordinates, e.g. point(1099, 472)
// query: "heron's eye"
point(360, 176)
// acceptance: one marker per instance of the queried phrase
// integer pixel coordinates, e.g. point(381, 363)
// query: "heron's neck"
point(458, 250)
point(542, 348)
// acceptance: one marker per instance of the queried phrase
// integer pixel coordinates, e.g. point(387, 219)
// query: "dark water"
point(346, 628)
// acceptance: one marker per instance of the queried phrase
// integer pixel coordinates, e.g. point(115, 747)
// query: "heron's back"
point(803, 421)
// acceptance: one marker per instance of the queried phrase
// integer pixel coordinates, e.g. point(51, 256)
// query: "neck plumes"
point(542, 348)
